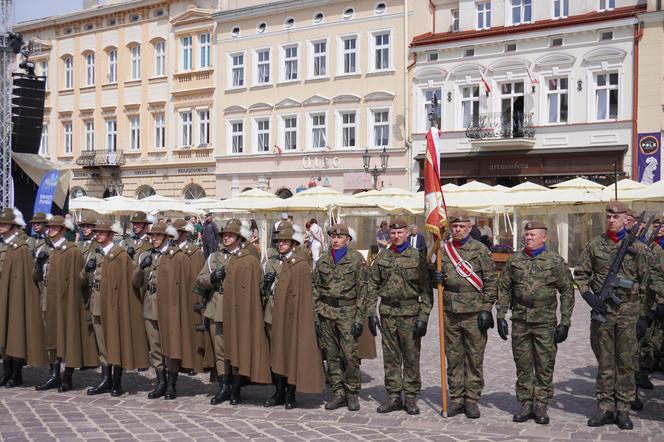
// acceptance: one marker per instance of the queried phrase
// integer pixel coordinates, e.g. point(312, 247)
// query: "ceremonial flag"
point(278, 150)
point(487, 88)
point(434, 203)
point(533, 81)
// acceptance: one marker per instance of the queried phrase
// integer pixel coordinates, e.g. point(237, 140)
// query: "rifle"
point(613, 282)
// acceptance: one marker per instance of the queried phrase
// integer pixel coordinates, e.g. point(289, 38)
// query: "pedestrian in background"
point(210, 236)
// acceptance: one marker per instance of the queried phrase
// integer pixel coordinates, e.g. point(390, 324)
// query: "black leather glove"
point(641, 327)
point(217, 276)
point(374, 325)
point(594, 302)
point(319, 332)
point(131, 252)
point(659, 311)
point(503, 329)
point(91, 265)
point(42, 256)
point(436, 277)
point(420, 329)
point(356, 330)
point(147, 262)
point(560, 333)
point(268, 280)
point(484, 320)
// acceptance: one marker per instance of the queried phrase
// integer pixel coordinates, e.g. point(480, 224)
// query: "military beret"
point(398, 223)
point(458, 218)
point(534, 224)
point(616, 207)
point(339, 229)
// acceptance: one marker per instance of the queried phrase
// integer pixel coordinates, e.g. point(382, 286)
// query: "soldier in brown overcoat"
point(139, 242)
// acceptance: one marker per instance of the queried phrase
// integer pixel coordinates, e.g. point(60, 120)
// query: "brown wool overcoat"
point(203, 342)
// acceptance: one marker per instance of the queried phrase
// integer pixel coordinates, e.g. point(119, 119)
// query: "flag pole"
point(441, 332)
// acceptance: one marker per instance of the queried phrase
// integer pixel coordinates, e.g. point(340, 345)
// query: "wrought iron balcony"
point(101, 158)
point(500, 126)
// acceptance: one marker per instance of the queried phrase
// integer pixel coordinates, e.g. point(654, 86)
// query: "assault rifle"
point(613, 282)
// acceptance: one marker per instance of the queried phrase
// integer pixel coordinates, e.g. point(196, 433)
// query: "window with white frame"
point(318, 131)
point(606, 5)
point(90, 68)
point(186, 125)
point(381, 50)
point(43, 71)
point(263, 135)
point(455, 20)
point(43, 143)
point(560, 8)
point(349, 54)
point(348, 128)
point(263, 66)
point(522, 11)
point(112, 74)
point(319, 49)
point(237, 70)
point(111, 135)
point(290, 62)
point(606, 95)
point(89, 135)
point(69, 140)
point(136, 62)
point(470, 105)
point(159, 130)
point(204, 41)
point(134, 133)
point(187, 53)
point(69, 73)
point(483, 15)
point(237, 136)
point(557, 99)
point(428, 96)
point(290, 132)
point(160, 58)
point(381, 127)
point(204, 127)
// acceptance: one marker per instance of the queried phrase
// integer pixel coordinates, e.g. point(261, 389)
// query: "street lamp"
point(375, 172)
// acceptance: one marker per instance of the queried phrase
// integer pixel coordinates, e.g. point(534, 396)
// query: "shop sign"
point(649, 169)
point(318, 162)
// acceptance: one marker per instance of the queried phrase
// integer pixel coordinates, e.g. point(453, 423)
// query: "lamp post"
point(375, 172)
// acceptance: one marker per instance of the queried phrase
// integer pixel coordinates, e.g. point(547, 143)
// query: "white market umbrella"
point(247, 201)
point(203, 204)
point(527, 186)
point(316, 198)
point(653, 192)
point(158, 203)
point(578, 183)
point(87, 203)
point(120, 205)
point(626, 189)
point(449, 187)
point(392, 200)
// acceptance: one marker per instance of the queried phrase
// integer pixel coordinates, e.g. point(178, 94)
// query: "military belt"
point(535, 304)
point(336, 302)
point(398, 304)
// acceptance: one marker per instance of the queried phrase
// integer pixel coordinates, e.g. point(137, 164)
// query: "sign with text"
point(649, 146)
point(46, 192)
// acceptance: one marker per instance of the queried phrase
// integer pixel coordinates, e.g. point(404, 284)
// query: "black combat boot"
point(636, 404)
point(541, 416)
point(66, 383)
point(353, 402)
point(17, 374)
point(623, 421)
point(224, 392)
point(390, 405)
point(235, 390)
point(159, 389)
point(455, 408)
point(338, 401)
point(53, 381)
point(290, 397)
point(116, 382)
point(172, 379)
point(410, 405)
point(643, 381)
point(601, 418)
point(472, 410)
point(279, 396)
point(105, 385)
point(7, 365)
point(525, 413)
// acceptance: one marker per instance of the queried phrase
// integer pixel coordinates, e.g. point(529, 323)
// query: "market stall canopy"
point(578, 183)
point(392, 200)
point(626, 188)
point(527, 186)
point(653, 192)
point(247, 201)
point(500, 188)
point(449, 187)
point(36, 167)
point(120, 205)
point(316, 198)
point(87, 203)
point(203, 204)
point(163, 204)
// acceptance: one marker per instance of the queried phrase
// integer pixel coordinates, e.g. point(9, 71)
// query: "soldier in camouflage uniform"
point(528, 286)
point(139, 242)
point(340, 296)
point(400, 277)
point(467, 314)
point(614, 341)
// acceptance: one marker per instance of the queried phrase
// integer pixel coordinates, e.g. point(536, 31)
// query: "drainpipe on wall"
point(638, 33)
point(406, 98)
point(432, 7)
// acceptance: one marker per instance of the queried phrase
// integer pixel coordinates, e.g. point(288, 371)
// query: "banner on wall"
point(649, 146)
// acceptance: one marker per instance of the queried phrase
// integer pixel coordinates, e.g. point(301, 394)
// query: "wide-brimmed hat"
point(88, 220)
point(293, 232)
point(142, 217)
point(60, 221)
point(163, 229)
point(237, 227)
point(40, 217)
point(12, 216)
point(106, 225)
point(183, 225)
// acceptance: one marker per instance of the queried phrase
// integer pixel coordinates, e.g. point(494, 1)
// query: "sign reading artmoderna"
point(166, 172)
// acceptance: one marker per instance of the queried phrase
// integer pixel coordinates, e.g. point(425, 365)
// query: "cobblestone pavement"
point(28, 414)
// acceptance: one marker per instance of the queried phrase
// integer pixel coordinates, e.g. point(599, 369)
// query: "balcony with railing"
point(502, 129)
point(203, 152)
point(101, 158)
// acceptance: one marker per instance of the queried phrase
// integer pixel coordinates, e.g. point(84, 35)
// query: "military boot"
point(116, 382)
point(390, 405)
point(643, 381)
point(623, 421)
point(66, 383)
point(159, 389)
point(53, 381)
point(525, 413)
point(338, 402)
point(636, 404)
point(472, 410)
point(172, 379)
point(224, 392)
point(353, 402)
point(601, 418)
point(105, 385)
point(455, 408)
point(236, 399)
point(7, 365)
point(279, 396)
point(541, 416)
point(290, 397)
point(411, 405)
point(17, 374)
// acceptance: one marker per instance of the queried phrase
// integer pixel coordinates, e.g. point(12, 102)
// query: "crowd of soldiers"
point(155, 300)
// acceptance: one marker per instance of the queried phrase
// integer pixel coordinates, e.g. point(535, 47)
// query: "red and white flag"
point(487, 88)
point(434, 203)
point(533, 81)
point(278, 150)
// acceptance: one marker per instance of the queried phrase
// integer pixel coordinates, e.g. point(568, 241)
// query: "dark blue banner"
point(46, 192)
point(649, 146)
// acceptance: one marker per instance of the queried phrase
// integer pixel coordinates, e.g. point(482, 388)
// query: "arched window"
point(193, 192)
point(144, 192)
point(284, 193)
point(77, 192)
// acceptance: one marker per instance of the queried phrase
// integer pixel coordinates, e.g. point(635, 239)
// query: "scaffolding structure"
point(6, 63)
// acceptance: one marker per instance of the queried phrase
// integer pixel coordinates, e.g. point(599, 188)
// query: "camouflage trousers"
point(401, 355)
point(613, 343)
point(464, 348)
point(534, 356)
point(342, 355)
point(651, 351)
